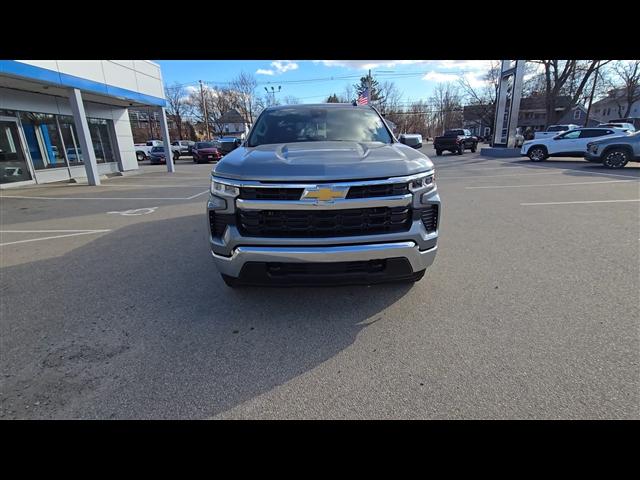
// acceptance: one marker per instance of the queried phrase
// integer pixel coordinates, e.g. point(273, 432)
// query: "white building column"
point(86, 144)
point(166, 141)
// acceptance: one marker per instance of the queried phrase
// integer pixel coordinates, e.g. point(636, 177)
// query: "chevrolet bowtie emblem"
point(324, 194)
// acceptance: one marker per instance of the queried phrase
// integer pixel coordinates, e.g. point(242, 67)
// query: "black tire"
point(460, 150)
point(438, 152)
point(537, 153)
point(615, 158)
point(140, 156)
point(474, 147)
point(230, 282)
point(195, 160)
point(176, 156)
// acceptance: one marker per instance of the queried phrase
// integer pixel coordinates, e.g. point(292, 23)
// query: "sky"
point(314, 80)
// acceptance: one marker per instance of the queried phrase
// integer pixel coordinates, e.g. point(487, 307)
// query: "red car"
point(204, 152)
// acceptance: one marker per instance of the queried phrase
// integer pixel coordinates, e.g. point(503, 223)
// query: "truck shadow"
point(138, 324)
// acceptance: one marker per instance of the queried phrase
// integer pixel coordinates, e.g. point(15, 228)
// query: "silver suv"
point(323, 194)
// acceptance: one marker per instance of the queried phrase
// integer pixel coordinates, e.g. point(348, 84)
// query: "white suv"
point(572, 143)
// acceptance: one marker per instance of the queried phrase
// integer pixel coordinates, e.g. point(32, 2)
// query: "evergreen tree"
point(376, 95)
point(333, 99)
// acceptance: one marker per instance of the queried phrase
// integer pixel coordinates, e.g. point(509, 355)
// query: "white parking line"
point(552, 184)
point(472, 177)
point(105, 198)
point(582, 201)
point(86, 232)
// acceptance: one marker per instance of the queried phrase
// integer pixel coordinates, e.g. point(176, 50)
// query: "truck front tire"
point(438, 152)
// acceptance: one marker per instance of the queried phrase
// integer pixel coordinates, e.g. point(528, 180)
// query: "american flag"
point(362, 99)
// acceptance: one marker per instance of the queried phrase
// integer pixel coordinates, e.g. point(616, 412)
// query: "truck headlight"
point(224, 189)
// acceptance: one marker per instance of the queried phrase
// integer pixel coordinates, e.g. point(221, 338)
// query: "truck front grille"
point(380, 190)
point(251, 193)
point(324, 223)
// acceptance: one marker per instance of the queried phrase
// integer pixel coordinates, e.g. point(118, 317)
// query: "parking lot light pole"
point(166, 142)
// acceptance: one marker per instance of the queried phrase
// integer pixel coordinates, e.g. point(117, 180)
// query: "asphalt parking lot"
point(112, 308)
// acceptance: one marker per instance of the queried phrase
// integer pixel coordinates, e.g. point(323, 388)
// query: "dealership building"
point(68, 119)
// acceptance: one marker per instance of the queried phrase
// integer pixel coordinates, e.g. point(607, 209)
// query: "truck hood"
point(322, 161)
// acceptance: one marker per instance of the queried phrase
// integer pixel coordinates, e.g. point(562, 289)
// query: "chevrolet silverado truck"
point(455, 141)
point(322, 195)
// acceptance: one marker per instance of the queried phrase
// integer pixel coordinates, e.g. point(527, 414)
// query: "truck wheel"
point(230, 282)
point(460, 150)
point(176, 156)
point(474, 147)
point(616, 158)
point(141, 156)
point(537, 153)
point(438, 152)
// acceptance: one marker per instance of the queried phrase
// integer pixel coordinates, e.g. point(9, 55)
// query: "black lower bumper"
point(326, 274)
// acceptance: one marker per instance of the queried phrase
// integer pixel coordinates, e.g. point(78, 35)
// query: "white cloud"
point(368, 64)
point(279, 67)
point(441, 77)
point(285, 66)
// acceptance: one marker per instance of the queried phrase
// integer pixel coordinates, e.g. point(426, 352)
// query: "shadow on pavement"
point(138, 324)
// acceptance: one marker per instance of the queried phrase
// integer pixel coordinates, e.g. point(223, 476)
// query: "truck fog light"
point(217, 203)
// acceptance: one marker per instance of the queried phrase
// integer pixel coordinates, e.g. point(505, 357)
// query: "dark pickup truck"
point(455, 141)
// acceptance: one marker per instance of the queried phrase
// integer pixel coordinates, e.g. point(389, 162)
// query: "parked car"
point(572, 143)
point(628, 127)
point(157, 155)
point(615, 152)
point(412, 139)
point(228, 144)
point(143, 150)
point(203, 152)
point(455, 141)
point(635, 121)
point(184, 145)
point(322, 194)
point(553, 130)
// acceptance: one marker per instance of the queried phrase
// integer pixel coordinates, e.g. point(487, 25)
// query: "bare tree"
point(244, 88)
point(390, 98)
point(566, 77)
point(291, 100)
point(446, 103)
point(176, 105)
point(483, 99)
point(626, 79)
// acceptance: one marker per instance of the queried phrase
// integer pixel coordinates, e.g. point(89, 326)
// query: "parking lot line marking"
point(197, 195)
point(601, 172)
point(552, 184)
point(88, 232)
point(101, 198)
point(581, 201)
point(439, 177)
point(47, 231)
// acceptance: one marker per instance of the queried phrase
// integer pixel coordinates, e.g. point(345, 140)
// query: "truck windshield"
point(453, 133)
point(311, 124)
point(557, 128)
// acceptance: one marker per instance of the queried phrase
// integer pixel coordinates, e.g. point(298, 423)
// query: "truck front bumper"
point(233, 265)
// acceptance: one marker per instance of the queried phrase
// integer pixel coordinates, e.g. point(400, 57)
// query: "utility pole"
point(369, 88)
point(204, 106)
point(593, 91)
point(273, 93)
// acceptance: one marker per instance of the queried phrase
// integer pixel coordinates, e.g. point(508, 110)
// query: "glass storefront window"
point(43, 140)
point(70, 138)
point(13, 165)
point(101, 139)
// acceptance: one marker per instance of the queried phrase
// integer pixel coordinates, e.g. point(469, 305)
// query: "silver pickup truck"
point(322, 194)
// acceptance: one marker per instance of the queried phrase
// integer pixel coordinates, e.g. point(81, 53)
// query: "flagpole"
point(369, 88)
